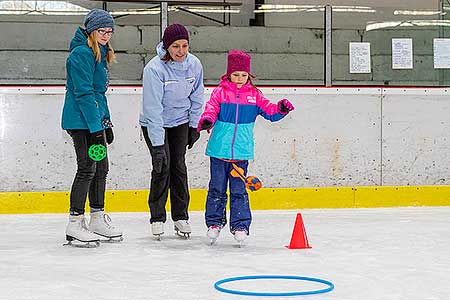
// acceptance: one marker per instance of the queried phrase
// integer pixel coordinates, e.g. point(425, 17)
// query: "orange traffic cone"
point(299, 239)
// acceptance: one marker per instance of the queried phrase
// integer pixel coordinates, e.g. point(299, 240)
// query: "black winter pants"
point(173, 176)
point(90, 177)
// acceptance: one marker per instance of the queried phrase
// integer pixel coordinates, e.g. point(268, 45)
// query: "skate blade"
point(79, 244)
point(186, 235)
point(109, 239)
point(212, 242)
point(158, 236)
point(112, 240)
point(240, 244)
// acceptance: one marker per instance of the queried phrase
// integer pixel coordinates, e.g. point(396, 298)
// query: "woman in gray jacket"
point(171, 108)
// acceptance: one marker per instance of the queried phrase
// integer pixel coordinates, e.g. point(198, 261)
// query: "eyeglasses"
point(104, 32)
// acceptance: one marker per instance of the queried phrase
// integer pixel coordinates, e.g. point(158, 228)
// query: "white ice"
point(369, 254)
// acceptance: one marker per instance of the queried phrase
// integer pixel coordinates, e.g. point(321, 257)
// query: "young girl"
point(232, 110)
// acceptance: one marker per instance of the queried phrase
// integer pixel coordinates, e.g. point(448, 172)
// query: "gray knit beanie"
point(98, 18)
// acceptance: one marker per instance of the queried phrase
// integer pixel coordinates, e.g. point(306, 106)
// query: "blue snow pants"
point(216, 201)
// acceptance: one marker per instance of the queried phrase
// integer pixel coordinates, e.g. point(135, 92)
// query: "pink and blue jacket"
point(233, 112)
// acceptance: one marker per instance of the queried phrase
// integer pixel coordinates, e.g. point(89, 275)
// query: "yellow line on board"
point(266, 198)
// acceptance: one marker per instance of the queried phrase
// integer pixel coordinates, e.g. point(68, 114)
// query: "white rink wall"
point(334, 137)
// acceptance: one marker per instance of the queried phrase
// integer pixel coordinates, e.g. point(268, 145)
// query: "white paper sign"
point(441, 49)
point(402, 54)
point(359, 57)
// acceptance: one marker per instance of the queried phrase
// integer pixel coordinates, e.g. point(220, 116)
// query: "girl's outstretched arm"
point(273, 111)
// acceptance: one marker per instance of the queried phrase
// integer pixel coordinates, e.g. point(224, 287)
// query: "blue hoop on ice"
point(236, 292)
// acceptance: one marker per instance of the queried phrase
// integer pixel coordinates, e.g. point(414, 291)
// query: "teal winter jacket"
point(85, 104)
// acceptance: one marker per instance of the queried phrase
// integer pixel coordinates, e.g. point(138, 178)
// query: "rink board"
point(354, 139)
point(264, 199)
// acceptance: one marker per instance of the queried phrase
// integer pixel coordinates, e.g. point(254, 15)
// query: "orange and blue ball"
point(253, 183)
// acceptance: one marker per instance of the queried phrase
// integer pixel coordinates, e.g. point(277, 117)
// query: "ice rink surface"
point(369, 254)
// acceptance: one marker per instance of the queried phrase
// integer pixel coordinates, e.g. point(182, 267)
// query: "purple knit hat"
point(238, 61)
point(174, 33)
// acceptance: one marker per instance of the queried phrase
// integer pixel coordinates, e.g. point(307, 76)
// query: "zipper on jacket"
point(235, 124)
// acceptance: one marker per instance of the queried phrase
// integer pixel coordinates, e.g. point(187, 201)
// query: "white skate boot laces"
point(115, 237)
point(108, 221)
point(84, 226)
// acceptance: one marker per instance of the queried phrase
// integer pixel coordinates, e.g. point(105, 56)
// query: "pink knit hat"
point(238, 61)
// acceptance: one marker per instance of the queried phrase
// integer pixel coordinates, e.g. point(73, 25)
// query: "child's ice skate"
point(240, 235)
point(182, 228)
point(100, 224)
point(213, 233)
point(78, 232)
point(158, 230)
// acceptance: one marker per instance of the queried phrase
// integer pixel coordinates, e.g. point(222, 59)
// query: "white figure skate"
point(213, 233)
point(100, 224)
point(158, 229)
point(78, 232)
point(182, 228)
point(240, 236)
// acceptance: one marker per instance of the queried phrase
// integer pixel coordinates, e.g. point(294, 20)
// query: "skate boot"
point(213, 233)
point(158, 229)
point(100, 224)
point(240, 235)
point(78, 232)
point(182, 228)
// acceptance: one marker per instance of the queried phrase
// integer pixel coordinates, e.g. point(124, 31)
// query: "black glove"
point(159, 158)
point(109, 135)
point(193, 136)
point(97, 146)
point(98, 138)
point(284, 106)
point(204, 124)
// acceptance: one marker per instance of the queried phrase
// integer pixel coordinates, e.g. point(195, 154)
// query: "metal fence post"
point(164, 17)
point(327, 46)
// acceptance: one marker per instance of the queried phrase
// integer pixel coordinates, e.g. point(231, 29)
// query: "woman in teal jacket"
point(86, 118)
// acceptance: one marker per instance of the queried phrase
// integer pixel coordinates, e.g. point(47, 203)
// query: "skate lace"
point(107, 220)
point(84, 226)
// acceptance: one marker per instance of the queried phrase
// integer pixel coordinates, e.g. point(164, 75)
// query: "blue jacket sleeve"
point(152, 108)
point(82, 69)
point(197, 99)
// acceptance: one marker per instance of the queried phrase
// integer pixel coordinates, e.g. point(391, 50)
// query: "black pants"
point(173, 176)
point(90, 177)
